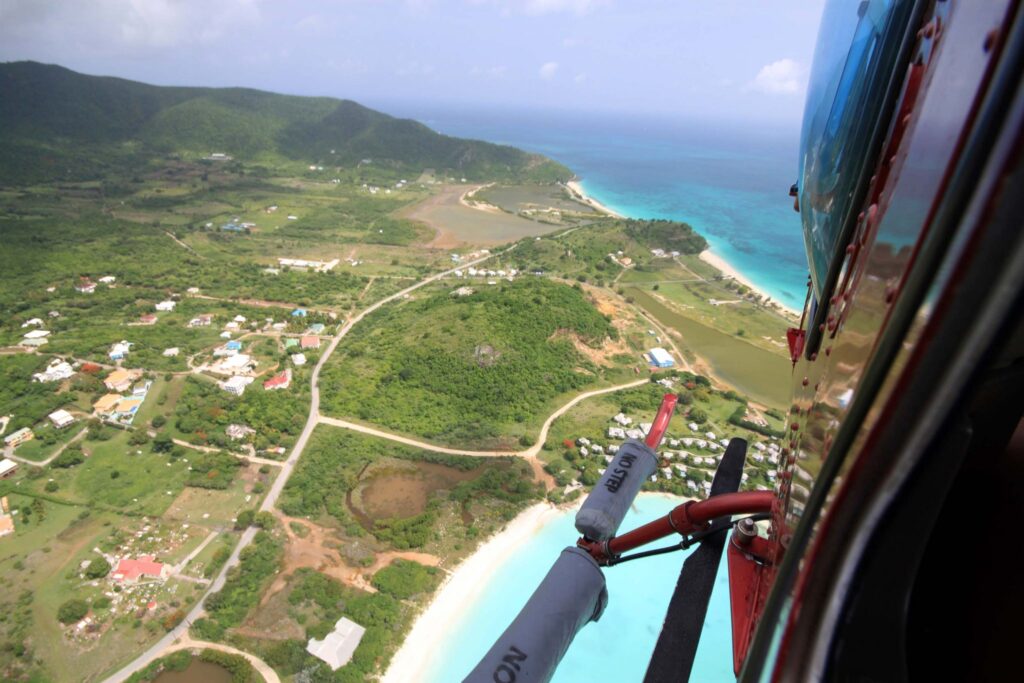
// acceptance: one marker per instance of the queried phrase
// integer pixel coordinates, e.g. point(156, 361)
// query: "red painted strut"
point(661, 420)
point(691, 516)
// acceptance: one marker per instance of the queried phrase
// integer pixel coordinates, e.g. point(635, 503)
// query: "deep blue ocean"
point(729, 181)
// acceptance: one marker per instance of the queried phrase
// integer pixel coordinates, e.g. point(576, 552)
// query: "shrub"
point(72, 611)
point(97, 569)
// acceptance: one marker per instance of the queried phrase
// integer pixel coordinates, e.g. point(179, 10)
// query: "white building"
point(337, 646)
point(166, 305)
point(236, 385)
point(32, 321)
point(57, 370)
point(171, 352)
point(616, 433)
point(61, 418)
point(299, 358)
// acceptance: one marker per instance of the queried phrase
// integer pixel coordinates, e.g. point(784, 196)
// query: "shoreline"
point(708, 256)
point(458, 592)
point(728, 270)
point(580, 195)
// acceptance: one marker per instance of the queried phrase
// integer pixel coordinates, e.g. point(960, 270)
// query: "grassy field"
point(763, 375)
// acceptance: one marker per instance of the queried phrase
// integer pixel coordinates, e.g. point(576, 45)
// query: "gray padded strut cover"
point(608, 502)
point(572, 594)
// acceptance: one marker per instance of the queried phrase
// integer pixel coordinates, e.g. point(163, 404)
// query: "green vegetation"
point(332, 464)
point(72, 611)
point(458, 369)
point(258, 562)
point(213, 471)
point(322, 601)
point(239, 668)
point(204, 411)
point(93, 124)
point(403, 579)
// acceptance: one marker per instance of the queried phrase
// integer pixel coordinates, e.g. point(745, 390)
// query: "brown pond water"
point(404, 492)
point(197, 672)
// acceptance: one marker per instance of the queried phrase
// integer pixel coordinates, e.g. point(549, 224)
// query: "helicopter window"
point(845, 91)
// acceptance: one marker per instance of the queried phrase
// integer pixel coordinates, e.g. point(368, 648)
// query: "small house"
point(166, 305)
point(7, 469)
point(282, 380)
point(309, 342)
point(236, 385)
point(15, 439)
point(61, 418)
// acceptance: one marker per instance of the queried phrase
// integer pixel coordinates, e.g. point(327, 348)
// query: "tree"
point(698, 415)
point(244, 519)
point(163, 443)
point(139, 437)
point(72, 611)
point(97, 569)
point(158, 421)
point(265, 520)
point(51, 486)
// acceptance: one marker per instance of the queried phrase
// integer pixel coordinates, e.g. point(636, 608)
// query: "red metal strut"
point(661, 420)
point(691, 516)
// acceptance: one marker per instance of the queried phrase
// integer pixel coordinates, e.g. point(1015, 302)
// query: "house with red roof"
point(309, 342)
point(281, 380)
point(133, 571)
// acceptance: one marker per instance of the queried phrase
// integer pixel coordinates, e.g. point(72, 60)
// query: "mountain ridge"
point(58, 124)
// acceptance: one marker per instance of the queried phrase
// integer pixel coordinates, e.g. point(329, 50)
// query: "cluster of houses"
point(123, 400)
point(624, 428)
point(308, 264)
point(501, 273)
point(37, 337)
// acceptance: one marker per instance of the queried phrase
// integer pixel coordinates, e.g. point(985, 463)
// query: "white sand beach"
point(577, 190)
point(460, 590)
point(713, 259)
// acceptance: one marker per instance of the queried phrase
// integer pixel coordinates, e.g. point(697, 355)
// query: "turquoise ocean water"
point(730, 182)
point(616, 648)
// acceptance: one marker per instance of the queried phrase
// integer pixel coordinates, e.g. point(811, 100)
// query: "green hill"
point(59, 124)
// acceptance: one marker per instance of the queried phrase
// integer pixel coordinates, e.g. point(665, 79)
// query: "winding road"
point(167, 643)
point(178, 637)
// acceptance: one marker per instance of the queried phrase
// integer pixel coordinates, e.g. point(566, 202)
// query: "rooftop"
point(337, 647)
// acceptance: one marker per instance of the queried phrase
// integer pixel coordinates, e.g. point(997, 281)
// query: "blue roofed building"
point(299, 313)
point(660, 358)
point(233, 345)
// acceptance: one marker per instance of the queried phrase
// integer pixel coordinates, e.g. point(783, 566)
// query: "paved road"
point(166, 644)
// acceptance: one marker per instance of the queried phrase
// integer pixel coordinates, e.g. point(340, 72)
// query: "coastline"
point(708, 256)
point(459, 591)
point(728, 270)
point(580, 194)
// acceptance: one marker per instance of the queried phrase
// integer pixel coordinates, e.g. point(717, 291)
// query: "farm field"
point(763, 375)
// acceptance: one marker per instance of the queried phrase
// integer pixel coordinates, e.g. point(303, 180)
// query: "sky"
point(743, 60)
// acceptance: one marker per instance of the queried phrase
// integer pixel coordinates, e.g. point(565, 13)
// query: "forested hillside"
point(59, 124)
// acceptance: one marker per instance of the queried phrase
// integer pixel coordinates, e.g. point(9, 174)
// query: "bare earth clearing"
point(456, 223)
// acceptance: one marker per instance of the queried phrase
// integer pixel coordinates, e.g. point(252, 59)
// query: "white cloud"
point(552, 6)
point(133, 24)
point(580, 79)
point(781, 77)
point(548, 71)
